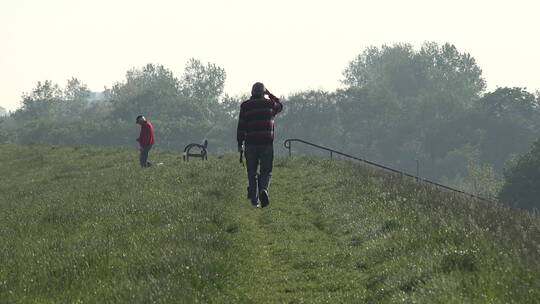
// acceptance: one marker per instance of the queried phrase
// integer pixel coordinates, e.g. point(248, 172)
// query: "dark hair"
point(139, 117)
point(257, 90)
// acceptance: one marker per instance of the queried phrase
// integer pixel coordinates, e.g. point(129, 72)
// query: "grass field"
point(86, 225)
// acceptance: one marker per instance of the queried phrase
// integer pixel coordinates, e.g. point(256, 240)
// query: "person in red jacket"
point(146, 140)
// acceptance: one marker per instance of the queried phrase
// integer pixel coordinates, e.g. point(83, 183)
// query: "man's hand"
point(240, 148)
point(270, 95)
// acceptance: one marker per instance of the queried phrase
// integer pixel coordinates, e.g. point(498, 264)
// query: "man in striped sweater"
point(255, 135)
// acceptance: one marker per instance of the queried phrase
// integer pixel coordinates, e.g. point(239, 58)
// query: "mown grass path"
point(291, 256)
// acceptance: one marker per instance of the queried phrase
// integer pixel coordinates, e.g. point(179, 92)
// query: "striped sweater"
point(256, 120)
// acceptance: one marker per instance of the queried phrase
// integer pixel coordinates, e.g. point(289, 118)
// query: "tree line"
point(397, 105)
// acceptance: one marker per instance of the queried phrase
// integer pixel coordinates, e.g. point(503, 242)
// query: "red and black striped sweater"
point(256, 120)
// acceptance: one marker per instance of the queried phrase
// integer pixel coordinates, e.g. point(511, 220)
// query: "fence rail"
point(288, 145)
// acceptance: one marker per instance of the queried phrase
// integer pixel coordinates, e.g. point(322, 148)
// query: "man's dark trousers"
point(143, 158)
point(256, 155)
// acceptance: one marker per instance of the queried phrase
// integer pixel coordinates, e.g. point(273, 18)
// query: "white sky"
point(290, 45)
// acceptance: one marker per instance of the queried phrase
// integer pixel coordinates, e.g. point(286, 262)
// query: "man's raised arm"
point(278, 106)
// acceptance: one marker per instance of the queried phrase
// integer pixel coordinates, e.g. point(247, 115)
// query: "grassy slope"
point(86, 224)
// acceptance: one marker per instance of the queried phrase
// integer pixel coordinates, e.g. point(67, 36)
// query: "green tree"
point(369, 118)
point(522, 180)
point(48, 101)
point(75, 101)
point(447, 70)
point(41, 103)
point(152, 90)
point(432, 70)
point(201, 81)
point(76, 90)
point(230, 105)
point(509, 119)
point(484, 180)
point(3, 131)
point(390, 66)
point(157, 93)
point(310, 115)
point(402, 104)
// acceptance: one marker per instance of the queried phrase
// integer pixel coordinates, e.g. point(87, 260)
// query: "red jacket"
point(146, 138)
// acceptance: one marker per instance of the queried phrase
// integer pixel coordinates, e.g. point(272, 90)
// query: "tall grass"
point(88, 225)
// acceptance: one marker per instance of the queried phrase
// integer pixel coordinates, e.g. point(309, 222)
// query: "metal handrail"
point(287, 144)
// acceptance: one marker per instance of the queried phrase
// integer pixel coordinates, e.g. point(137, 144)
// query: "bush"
point(522, 180)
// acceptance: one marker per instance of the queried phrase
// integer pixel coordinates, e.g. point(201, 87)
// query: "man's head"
point(140, 119)
point(258, 89)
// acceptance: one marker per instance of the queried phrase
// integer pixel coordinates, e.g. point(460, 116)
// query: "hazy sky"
point(289, 45)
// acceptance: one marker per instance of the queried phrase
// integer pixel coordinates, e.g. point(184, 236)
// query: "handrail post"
point(331, 155)
point(290, 144)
